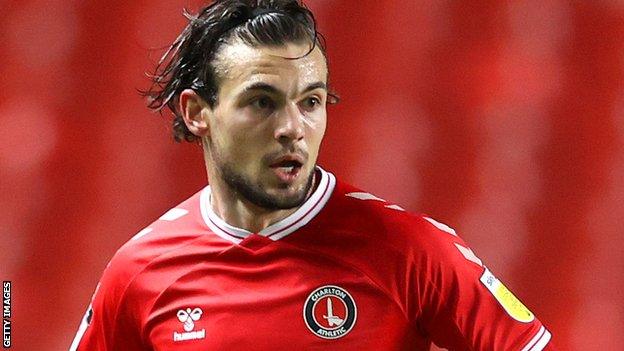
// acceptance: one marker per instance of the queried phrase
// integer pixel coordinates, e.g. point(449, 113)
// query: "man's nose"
point(290, 124)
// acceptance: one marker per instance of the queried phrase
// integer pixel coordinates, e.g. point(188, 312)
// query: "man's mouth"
point(287, 168)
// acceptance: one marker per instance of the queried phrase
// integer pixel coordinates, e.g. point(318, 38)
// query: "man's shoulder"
point(174, 234)
point(385, 222)
point(362, 209)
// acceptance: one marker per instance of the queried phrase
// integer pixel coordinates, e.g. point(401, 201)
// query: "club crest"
point(330, 312)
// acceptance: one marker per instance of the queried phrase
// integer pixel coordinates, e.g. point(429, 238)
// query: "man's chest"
point(279, 303)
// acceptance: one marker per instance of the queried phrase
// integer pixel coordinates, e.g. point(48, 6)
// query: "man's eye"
point(263, 103)
point(311, 103)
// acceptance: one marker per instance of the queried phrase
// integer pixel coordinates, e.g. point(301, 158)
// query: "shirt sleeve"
point(109, 324)
point(465, 307)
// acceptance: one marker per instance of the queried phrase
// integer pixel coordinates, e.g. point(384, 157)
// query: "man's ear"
point(192, 108)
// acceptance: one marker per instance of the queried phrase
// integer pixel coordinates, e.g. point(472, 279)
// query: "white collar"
point(304, 214)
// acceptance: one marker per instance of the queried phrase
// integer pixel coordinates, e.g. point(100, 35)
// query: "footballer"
point(276, 253)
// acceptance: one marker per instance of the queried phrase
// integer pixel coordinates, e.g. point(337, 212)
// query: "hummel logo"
point(189, 317)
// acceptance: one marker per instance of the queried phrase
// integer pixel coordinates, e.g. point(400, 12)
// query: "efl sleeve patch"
point(506, 298)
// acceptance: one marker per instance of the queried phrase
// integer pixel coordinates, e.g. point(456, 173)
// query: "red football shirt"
point(346, 271)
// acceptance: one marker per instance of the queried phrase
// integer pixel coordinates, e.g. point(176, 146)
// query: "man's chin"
point(283, 196)
point(269, 194)
point(284, 203)
point(288, 199)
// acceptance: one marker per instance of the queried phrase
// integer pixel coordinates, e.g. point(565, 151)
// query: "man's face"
point(269, 121)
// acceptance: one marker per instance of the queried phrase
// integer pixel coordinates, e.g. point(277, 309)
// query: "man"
point(276, 253)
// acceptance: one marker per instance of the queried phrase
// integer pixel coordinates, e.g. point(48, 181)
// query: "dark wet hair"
point(189, 61)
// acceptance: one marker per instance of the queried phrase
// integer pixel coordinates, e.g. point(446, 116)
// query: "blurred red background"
point(503, 119)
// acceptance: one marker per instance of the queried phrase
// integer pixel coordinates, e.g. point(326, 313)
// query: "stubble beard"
point(254, 192)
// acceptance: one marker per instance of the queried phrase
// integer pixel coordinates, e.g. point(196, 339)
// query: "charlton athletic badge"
point(330, 312)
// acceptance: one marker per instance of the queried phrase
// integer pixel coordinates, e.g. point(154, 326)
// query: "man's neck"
point(239, 212)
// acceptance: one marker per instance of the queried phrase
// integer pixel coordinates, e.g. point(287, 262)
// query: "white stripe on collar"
point(304, 214)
